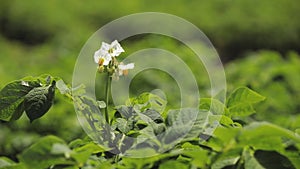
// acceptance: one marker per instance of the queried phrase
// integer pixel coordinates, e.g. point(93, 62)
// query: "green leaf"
point(59, 148)
point(157, 103)
point(265, 159)
point(297, 132)
point(126, 111)
point(227, 158)
point(243, 94)
point(154, 115)
point(223, 137)
point(62, 87)
point(199, 156)
point(88, 111)
point(226, 121)
point(143, 152)
point(180, 123)
point(225, 161)
point(213, 105)
point(181, 116)
point(39, 100)
point(244, 109)
point(82, 154)
point(272, 159)
point(4, 162)
point(217, 108)
point(158, 128)
point(294, 157)
point(44, 79)
point(258, 130)
point(150, 158)
point(124, 125)
point(147, 133)
point(148, 101)
point(77, 143)
point(12, 98)
point(250, 161)
point(174, 165)
point(37, 156)
point(199, 126)
point(241, 100)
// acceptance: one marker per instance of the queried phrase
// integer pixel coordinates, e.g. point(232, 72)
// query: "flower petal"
point(116, 48)
point(97, 56)
point(105, 46)
point(130, 66)
point(126, 67)
point(100, 54)
point(107, 51)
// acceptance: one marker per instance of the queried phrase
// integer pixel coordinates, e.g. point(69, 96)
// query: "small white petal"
point(107, 58)
point(130, 66)
point(97, 56)
point(102, 54)
point(107, 51)
point(114, 43)
point(105, 46)
point(121, 66)
point(116, 48)
point(126, 67)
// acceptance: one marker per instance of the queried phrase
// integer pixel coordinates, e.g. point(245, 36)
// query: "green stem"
point(108, 82)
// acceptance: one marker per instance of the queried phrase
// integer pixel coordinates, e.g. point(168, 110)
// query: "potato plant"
point(160, 140)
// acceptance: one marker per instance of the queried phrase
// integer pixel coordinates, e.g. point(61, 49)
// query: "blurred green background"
point(257, 40)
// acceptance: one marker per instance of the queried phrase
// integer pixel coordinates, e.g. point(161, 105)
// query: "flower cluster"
point(105, 57)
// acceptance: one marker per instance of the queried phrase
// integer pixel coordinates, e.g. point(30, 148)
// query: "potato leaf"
point(39, 100)
point(213, 105)
point(38, 155)
point(124, 125)
point(241, 100)
point(12, 97)
point(250, 161)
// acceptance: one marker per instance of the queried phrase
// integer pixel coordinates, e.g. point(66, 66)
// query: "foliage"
point(274, 76)
point(29, 95)
point(39, 36)
point(177, 138)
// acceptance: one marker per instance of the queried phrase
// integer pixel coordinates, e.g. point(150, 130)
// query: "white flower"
point(123, 69)
point(101, 58)
point(104, 55)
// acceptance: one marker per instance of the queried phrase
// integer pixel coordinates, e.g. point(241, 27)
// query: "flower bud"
point(111, 70)
point(101, 69)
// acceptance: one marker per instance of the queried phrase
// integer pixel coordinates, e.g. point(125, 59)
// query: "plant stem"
point(108, 82)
